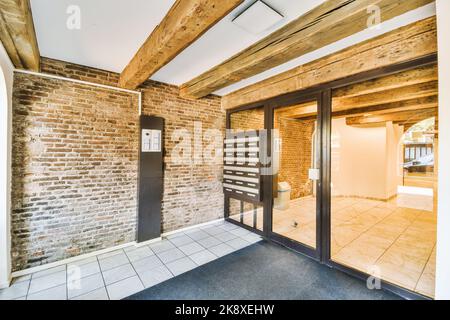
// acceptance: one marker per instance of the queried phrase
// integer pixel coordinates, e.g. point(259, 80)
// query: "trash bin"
point(284, 196)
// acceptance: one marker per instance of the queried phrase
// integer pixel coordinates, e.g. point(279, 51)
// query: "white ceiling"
point(113, 30)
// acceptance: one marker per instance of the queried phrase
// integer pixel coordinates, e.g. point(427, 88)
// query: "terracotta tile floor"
point(394, 239)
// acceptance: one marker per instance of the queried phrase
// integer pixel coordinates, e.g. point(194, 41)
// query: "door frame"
point(324, 92)
point(269, 201)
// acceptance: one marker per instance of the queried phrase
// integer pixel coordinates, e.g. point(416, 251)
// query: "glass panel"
point(246, 213)
point(241, 211)
point(383, 207)
point(295, 143)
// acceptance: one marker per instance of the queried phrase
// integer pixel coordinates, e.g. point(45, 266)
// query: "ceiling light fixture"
point(258, 17)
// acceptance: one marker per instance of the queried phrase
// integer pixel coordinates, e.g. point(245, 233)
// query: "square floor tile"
point(78, 287)
point(171, 255)
point(84, 261)
point(214, 230)
point(21, 278)
point(252, 238)
point(84, 270)
point(221, 249)
point(47, 282)
point(175, 235)
point(209, 242)
point(139, 253)
point(161, 246)
point(228, 226)
point(226, 236)
point(49, 271)
point(114, 261)
point(181, 241)
point(180, 266)
point(202, 257)
point(55, 293)
point(240, 232)
point(110, 254)
point(155, 276)
point(198, 234)
point(191, 248)
point(147, 264)
point(238, 243)
point(124, 288)
point(119, 273)
point(16, 290)
point(98, 294)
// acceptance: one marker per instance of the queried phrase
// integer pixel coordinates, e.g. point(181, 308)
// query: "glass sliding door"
point(296, 153)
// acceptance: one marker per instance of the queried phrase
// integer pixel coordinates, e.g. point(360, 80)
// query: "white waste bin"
point(284, 196)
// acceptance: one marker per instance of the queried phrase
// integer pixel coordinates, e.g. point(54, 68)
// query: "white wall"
point(6, 80)
point(394, 158)
point(364, 160)
point(443, 236)
point(358, 157)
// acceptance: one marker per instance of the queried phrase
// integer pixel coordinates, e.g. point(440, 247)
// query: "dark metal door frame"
point(268, 201)
point(323, 94)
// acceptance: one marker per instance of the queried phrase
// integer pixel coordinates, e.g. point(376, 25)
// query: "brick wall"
point(75, 152)
point(296, 154)
point(252, 119)
point(192, 189)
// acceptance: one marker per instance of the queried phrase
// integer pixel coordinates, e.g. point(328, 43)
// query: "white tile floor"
point(118, 274)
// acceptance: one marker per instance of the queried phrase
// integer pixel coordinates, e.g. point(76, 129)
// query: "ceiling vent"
point(258, 18)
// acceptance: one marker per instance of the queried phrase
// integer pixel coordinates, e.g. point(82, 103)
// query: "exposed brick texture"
point(296, 153)
point(192, 191)
point(75, 162)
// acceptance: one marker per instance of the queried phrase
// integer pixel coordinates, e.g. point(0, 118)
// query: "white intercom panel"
point(151, 140)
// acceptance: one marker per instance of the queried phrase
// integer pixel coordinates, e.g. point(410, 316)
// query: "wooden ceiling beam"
point(409, 92)
point(396, 117)
point(410, 77)
point(185, 22)
point(406, 105)
point(18, 35)
point(307, 112)
point(401, 45)
point(327, 23)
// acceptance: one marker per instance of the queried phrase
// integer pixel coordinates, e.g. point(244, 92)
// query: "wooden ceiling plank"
point(185, 22)
point(18, 34)
point(329, 22)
